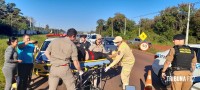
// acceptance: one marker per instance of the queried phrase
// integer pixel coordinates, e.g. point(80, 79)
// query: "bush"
point(5, 30)
point(192, 40)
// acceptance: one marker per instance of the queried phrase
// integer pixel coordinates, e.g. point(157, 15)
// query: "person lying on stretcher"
point(84, 55)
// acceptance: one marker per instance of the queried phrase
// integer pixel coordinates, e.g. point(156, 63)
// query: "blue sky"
point(83, 14)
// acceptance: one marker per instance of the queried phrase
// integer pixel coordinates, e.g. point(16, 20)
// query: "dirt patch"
point(161, 47)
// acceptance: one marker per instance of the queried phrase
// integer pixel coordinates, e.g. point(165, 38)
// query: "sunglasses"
point(99, 39)
point(116, 42)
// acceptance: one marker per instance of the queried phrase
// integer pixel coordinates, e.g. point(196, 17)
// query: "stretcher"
point(92, 63)
point(42, 64)
point(95, 67)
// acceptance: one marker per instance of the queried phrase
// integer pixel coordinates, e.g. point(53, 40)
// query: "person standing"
point(10, 64)
point(183, 60)
point(84, 43)
point(59, 53)
point(25, 51)
point(98, 46)
point(125, 56)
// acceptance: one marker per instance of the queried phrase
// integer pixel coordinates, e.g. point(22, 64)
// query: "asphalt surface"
point(112, 82)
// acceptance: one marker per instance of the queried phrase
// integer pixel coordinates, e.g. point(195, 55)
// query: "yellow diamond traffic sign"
point(143, 36)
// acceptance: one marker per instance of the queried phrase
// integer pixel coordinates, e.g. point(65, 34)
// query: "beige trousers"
point(125, 74)
point(65, 74)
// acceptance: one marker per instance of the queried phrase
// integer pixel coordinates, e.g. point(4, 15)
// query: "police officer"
point(84, 43)
point(125, 56)
point(59, 53)
point(183, 60)
point(98, 46)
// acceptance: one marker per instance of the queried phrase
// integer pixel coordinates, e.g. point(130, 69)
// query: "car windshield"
point(197, 50)
point(45, 45)
point(93, 37)
point(137, 39)
point(109, 41)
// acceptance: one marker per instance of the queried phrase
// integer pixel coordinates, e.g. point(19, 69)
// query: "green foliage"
point(192, 40)
point(5, 29)
point(11, 16)
point(160, 29)
point(12, 20)
point(3, 46)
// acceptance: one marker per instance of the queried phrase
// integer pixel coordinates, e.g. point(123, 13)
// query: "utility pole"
point(112, 28)
point(39, 27)
point(125, 27)
point(187, 31)
point(30, 22)
point(11, 20)
point(139, 28)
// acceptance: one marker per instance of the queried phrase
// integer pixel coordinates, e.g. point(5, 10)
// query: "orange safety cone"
point(148, 84)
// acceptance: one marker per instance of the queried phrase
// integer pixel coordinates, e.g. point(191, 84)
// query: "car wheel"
point(165, 82)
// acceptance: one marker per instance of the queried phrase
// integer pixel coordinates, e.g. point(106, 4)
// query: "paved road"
point(138, 75)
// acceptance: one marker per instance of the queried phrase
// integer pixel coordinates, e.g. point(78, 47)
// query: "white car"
point(92, 38)
point(160, 58)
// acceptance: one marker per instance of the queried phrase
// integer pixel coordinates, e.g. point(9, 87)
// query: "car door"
point(196, 72)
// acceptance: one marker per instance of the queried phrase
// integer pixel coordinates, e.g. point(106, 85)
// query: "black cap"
point(83, 36)
point(179, 37)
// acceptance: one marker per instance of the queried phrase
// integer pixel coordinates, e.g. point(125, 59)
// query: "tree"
point(146, 24)
point(47, 27)
point(2, 10)
point(195, 24)
point(115, 25)
point(118, 22)
point(100, 26)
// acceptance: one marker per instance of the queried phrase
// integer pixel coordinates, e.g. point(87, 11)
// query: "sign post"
point(143, 46)
point(143, 36)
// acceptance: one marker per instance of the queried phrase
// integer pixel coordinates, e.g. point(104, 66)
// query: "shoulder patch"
point(118, 52)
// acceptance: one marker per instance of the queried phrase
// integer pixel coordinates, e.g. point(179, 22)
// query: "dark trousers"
point(24, 75)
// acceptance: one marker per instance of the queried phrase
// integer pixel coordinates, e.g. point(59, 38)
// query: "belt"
point(180, 68)
point(61, 65)
point(65, 65)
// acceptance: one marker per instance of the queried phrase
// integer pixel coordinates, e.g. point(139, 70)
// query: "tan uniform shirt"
point(125, 55)
point(97, 48)
point(170, 56)
point(62, 50)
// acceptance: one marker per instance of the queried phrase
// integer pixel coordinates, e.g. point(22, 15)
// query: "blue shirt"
point(26, 53)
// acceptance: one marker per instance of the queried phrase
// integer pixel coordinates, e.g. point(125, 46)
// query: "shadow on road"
point(110, 74)
point(38, 83)
point(155, 80)
point(142, 84)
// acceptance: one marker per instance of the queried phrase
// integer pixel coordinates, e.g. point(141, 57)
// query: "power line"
point(158, 12)
point(146, 14)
